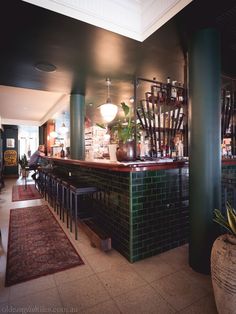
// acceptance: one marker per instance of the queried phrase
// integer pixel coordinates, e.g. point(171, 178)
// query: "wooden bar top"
point(120, 166)
point(229, 162)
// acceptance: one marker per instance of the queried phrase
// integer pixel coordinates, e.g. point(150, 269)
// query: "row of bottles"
point(169, 92)
point(175, 150)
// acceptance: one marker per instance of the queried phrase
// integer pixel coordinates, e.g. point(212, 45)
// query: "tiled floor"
point(107, 283)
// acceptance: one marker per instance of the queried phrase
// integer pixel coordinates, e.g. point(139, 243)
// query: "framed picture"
point(10, 143)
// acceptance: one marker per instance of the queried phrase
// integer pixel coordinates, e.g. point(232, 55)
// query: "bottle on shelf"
point(168, 89)
point(173, 91)
point(62, 153)
point(180, 96)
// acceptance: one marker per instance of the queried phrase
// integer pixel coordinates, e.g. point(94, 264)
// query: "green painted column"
point(77, 115)
point(204, 144)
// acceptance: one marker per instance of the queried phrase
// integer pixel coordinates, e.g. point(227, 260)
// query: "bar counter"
point(142, 206)
point(120, 166)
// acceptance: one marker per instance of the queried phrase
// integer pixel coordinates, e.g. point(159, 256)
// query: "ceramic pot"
point(125, 151)
point(223, 273)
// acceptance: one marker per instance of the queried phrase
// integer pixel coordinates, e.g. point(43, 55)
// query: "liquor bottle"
point(154, 90)
point(168, 89)
point(180, 96)
point(62, 153)
point(173, 91)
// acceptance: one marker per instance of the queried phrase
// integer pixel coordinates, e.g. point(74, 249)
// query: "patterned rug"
point(37, 245)
point(20, 193)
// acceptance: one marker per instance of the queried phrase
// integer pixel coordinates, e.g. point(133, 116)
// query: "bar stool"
point(58, 196)
point(65, 206)
point(43, 181)
point(40, 181)
point(48, 187)
point(53, 190)
point(76, 190)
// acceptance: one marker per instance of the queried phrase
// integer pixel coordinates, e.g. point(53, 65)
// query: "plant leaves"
point(101, 125)
point(229, 222)
point(125, 108)
point(231, 219)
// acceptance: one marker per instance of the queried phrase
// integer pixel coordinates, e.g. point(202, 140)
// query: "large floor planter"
point(223, 273)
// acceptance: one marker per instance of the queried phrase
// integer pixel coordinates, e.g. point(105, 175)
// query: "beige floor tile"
point(32, 286)
point(83, 293)
point(179, 289)
point(72, 274)
point(108, 307)
point(177, 258)
point(4, 294)
point(153, 268)
point(4, 291)
point(120, 279)
point(204, 306)
point(86, 248)
point(47, 301)
point(4, 308)
point(201, 279)
point(102, 261)
point(3, 244)
point(143, 300)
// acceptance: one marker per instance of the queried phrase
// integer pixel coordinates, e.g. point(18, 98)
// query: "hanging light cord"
point(108, 89)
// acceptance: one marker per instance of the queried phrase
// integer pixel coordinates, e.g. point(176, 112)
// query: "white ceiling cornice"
point(20, 122)
point(131, 18)
point(156, 13)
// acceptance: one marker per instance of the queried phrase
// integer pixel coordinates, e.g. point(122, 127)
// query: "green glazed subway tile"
point(137, 207)
point(156, 179)
point(134, 188)
point(147, 180)
point(137, 181)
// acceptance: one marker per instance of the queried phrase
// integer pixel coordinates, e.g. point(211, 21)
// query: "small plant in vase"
point(223, 262)
point(123, 131)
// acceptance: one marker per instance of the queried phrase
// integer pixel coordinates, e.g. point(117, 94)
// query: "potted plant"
point(123, 134)
point(23, 162)
point(223, 262)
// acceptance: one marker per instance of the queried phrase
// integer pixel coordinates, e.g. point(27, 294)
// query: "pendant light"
point(108, 110)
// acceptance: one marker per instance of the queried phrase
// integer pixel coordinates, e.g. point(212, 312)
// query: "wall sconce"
point(108, 110)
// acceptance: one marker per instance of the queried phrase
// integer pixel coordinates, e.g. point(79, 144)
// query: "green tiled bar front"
point(145, 212)
point(111, 205)
point(228, 190)
point(159, 213)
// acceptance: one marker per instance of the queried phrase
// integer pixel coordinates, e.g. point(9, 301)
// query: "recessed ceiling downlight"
point(45, 67)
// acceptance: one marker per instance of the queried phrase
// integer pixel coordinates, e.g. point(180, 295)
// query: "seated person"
point(35, 159)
